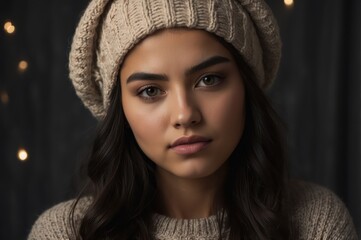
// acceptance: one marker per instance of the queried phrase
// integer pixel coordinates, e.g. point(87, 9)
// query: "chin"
point(194, 171)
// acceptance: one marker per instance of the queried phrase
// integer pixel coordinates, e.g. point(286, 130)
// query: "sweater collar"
point(200, 228)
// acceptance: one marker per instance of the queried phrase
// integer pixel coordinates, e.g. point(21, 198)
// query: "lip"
point(190, 145)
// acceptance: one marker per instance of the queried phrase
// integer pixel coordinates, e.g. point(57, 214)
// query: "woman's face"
point(183, 85)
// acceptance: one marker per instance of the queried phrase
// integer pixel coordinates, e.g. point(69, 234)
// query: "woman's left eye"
point(209, 80)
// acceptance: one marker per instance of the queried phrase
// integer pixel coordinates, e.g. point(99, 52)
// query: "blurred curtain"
point(318, 94)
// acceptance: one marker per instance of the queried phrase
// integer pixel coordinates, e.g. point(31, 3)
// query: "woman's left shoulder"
point(318, 213)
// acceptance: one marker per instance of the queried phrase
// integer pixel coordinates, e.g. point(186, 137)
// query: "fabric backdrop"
point(317, 94)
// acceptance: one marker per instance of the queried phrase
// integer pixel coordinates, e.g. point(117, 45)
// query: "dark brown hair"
point(122, 185)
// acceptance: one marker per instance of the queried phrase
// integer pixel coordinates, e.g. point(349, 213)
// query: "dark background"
point(317, 94)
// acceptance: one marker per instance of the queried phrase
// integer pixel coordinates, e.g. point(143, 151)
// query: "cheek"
point(145, 121)
point(228, 113)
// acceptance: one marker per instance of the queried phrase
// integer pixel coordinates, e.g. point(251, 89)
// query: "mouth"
point(190, 145)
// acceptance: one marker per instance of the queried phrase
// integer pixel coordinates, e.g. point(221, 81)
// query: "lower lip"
point(186, 149)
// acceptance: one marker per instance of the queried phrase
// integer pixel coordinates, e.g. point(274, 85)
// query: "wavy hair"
point(122, 184)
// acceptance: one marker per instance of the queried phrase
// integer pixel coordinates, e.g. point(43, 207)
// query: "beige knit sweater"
point(317, 214)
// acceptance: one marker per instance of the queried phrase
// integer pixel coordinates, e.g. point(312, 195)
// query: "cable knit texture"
point(317, 214)
point(109, 29)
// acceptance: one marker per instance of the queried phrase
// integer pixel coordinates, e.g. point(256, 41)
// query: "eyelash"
point(151, 98)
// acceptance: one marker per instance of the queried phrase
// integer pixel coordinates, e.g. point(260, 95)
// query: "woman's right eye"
point(149, 93)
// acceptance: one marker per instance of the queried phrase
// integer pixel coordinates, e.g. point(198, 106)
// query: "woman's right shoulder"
point(54, 223)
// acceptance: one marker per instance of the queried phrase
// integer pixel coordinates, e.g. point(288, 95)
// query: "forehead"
point(179, 46)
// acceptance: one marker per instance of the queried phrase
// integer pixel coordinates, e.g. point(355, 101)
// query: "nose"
point(185, 112)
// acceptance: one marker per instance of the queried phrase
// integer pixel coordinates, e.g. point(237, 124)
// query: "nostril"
point(186, 117)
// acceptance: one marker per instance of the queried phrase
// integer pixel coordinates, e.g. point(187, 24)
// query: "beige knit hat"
point(108, 29)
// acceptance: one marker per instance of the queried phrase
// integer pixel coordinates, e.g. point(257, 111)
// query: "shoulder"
point(54, 223)
point(317, 213)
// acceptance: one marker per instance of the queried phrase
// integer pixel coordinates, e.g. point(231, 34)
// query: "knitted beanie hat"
point(109, 29)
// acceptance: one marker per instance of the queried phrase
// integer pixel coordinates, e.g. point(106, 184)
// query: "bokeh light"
point(23, 65)
point(9, 27)
point(4, 97)
point(289, 3)
point(22, 154)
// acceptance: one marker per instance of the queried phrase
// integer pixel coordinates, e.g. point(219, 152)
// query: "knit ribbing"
point(192, 19)
point(81, 71)
point(263, 18)
point(172, 228)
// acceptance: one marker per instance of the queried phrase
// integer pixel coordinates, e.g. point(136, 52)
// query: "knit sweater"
point(317, 213)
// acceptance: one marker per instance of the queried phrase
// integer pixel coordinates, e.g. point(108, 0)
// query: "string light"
point(289, 3)
point(22, 154)
point(9, 27)
point(4, 97)
point(23, 65)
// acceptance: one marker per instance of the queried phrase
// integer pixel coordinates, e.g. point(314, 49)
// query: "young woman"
point(188, 146)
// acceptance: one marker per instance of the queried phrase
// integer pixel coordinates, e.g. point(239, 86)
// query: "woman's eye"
point(150, 92)
point(209, 80)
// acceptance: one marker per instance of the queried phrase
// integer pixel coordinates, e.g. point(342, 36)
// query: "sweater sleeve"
point(54, 223)
point(320, 214)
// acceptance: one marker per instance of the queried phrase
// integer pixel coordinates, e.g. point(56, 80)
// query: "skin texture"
point(207, 102)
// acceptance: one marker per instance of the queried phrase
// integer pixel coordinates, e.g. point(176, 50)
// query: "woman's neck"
point(189, 198)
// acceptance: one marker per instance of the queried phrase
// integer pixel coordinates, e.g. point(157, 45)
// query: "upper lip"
point(189, 140)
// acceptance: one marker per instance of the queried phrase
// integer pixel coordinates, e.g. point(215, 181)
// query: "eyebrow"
point(205, 64)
